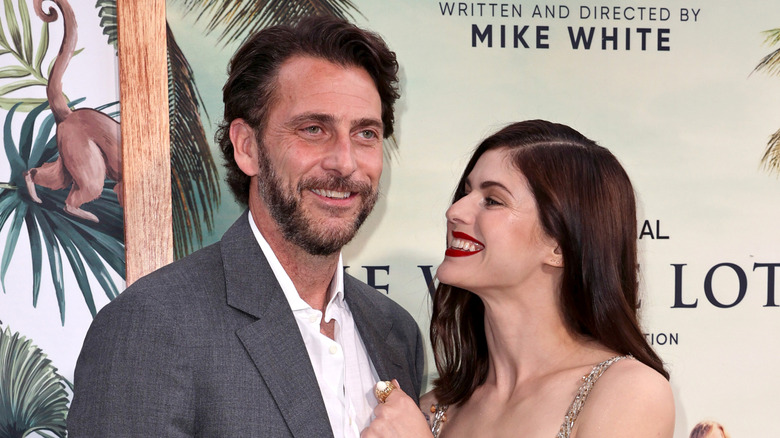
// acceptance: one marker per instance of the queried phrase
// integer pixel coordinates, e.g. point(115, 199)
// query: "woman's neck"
point(527, 338)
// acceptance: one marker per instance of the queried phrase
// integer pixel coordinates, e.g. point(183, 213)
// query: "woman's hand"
point(398, 416)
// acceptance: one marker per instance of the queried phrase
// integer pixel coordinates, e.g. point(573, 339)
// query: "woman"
point(537, 300)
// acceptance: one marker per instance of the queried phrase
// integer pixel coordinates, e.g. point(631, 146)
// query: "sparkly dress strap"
point(439, 416)
point(582, 394)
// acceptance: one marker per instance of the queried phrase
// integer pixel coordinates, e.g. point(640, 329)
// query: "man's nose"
point(340, 156)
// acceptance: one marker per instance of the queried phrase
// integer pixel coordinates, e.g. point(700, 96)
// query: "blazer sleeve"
point(133, 376)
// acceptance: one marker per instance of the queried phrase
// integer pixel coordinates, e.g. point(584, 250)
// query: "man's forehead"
point(312, 85)
point(303, 67)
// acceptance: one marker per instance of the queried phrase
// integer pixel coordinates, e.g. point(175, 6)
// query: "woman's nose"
point(458, 211)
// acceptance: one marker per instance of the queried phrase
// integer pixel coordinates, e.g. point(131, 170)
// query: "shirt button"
point(334, 349)
point(313, 319)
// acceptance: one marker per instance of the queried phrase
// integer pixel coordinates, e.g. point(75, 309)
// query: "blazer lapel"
point(386, 352)
point(273, 342)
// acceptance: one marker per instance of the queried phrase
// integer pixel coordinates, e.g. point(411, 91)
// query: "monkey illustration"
point(88, 140)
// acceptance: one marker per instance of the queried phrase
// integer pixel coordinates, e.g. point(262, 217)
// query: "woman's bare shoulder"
point(630, 399)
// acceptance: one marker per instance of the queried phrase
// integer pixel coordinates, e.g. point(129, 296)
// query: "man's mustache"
point(335, 183)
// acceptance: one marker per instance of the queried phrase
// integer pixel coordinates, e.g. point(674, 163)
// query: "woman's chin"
point(449, 274)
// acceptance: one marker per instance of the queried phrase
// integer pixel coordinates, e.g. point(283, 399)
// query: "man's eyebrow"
point(310, 117)
point(368, 122)
point(329, 119)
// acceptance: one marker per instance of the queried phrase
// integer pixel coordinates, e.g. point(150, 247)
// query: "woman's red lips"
point(458, 252)
point(462, 235)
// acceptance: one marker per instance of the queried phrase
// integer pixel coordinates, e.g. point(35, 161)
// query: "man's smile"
point(331, 193)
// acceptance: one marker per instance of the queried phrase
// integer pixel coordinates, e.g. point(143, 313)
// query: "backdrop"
point(670, 88)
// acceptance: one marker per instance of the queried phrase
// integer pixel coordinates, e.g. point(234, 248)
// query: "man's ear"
point(555, 258)
point(244, 146)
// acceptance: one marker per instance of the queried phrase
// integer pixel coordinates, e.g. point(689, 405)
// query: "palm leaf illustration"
point(22, 66)
point(236, 18)
point(771, 65)
point(88, 246)
point(32, 394)
point(195, 193)
point(107, 13)
point(194, 178)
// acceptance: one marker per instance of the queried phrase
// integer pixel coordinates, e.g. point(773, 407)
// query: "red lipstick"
point(454, 252)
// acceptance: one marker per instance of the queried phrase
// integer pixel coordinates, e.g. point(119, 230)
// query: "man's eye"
point(368, 134)
point(312, 129)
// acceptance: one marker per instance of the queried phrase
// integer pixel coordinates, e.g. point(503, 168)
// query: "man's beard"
point(299, 229)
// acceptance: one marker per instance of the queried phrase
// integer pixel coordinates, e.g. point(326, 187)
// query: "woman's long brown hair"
point(586, 203)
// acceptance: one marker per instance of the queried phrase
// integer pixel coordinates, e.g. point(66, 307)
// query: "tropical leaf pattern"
point(22, 66)
point(194, 178)
point(771, 158)
point(236, 18)
point(771, 62)
point(33, 396)
point(107, 14)
point(771, 65)
point(87, 245)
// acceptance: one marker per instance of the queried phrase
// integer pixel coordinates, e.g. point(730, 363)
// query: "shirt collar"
point(335, 291)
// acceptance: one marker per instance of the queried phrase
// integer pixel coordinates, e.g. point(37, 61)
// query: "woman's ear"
point(555, 257)
point(244, 146)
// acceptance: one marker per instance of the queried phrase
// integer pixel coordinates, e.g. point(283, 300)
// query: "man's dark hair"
point(250, 90)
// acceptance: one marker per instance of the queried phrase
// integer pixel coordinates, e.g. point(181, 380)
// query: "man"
point(262, 334)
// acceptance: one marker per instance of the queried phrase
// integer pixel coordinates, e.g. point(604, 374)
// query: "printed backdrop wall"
point(669, 87)
point(57, 269)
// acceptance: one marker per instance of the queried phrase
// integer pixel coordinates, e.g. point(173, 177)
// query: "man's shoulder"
point(361, 290)
point(373, 300)
point(176, 281)
point(202, 264)
point(173, 297)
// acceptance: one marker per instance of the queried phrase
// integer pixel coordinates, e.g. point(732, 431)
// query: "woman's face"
point(494, 238)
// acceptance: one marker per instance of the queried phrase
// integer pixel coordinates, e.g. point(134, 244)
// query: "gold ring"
point(383, 389)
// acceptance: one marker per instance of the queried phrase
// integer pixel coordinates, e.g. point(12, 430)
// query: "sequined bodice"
point(440, 416)
point(582, 394)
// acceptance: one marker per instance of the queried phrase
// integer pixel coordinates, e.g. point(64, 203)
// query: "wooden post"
point(146, 164)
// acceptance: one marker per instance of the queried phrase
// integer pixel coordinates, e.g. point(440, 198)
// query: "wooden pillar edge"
point(146, 172)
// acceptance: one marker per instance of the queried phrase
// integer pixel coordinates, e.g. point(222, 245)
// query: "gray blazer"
point(208, 346)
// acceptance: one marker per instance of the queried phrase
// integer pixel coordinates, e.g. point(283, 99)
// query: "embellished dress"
point(439, 411)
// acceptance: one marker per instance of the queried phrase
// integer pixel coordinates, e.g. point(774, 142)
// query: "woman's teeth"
point(464, 245)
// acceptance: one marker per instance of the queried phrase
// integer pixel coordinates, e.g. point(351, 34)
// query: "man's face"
point(320, 157)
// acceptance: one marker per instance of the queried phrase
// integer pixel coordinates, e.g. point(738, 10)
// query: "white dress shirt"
point(345, 374)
